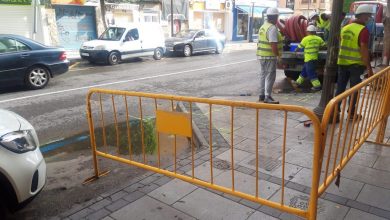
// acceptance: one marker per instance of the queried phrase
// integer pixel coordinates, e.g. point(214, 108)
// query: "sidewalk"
point(363, 194)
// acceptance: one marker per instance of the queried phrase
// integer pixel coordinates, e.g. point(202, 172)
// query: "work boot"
point(316, 88)
point(261, 98)
point(268, 99)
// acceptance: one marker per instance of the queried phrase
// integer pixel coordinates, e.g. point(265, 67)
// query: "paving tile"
point(383, 163)
point(172, 191)
point(380, 212)
point(246, 183)
point(299, 158)
point(239, 155)
point(348, 188)
point(244, 170)
point(250, 204)
point(375, 196)
point(131, 197)
point(335, 198)
point(288, 216)
point(81, 214)
point(100, 204)
point(148, 180)
point(100, 214)
point(117, 205)
point(364, 159)
point(148, 188)
point(163, 180)
point(148, 208)
point(107, 218)
point(118, 195)
point(202, 172)
point(205, 205)
point(358, 205)
point(355, 214)
point(367, 175)
point(325, 209)
point(231, 197)
point(271, 166)
point(270, 211)
point(259, 215)
point(133, 187)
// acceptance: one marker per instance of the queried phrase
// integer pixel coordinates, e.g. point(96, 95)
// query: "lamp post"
point(331, 61)
point(250, 32)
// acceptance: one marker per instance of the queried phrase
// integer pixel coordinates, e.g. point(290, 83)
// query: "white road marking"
point(124, 81)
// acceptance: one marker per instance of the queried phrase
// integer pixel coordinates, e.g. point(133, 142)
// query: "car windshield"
point(186, 34)
point(112, 33)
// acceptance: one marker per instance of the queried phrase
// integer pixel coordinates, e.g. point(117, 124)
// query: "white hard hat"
point(311, 28)
point(272, 11)
point(364, 9)
point(312, 14)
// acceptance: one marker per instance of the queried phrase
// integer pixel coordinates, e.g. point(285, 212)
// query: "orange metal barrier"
point(117, 118)
point(346, 128)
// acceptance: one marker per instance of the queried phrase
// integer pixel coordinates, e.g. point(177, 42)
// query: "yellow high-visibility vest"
point(321, 23)
point(312, 44)
point(264, 48)
point(349, 52)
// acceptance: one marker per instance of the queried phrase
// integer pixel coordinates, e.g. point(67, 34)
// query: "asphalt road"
point(59, 111)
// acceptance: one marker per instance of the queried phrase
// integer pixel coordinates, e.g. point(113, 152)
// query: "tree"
point(103, 11)
point(386, 41)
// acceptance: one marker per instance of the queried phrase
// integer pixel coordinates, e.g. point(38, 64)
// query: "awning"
point(257, 11)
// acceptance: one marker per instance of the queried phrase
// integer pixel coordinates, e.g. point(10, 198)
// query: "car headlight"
point(19, 141)
point(100, 47)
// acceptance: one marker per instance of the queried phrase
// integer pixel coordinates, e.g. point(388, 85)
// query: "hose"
point(293, 28)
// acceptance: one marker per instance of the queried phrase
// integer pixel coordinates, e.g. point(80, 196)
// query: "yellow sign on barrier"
point(169, 122)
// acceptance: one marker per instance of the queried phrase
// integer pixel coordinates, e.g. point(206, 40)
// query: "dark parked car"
point(27, 62)
point(188, 42)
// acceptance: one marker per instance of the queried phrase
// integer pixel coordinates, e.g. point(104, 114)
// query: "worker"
point(354, 57)
point(269, 48)
point(323, 23)
point(313, 18)
point(311, 45)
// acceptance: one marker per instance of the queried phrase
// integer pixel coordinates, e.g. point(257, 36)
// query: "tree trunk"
point(103, 11)
point(386, 39)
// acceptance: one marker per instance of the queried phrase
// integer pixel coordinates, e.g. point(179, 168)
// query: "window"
point(11, 45)
point(132, 35)
point(200, 34)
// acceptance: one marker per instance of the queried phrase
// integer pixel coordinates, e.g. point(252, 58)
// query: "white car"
point(120, 43)
point(22, 167)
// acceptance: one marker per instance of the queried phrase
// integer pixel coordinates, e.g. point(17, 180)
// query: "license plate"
point(85, 54)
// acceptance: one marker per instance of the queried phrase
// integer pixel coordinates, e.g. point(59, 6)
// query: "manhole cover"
point(266, 163)
point(221, 164)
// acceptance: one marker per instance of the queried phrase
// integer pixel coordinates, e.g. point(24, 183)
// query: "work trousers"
point(309, 70)
point(351, 74)
point(267, 76)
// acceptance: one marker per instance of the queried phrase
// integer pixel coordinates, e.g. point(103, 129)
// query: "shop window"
point(242, 24)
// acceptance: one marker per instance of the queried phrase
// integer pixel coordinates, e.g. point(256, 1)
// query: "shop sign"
point(67, 2)
point(215, 5)
point(15, 2)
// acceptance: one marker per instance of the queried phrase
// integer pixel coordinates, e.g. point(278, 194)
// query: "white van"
point(119, 43)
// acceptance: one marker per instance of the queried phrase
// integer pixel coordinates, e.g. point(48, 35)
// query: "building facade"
point(304, 7)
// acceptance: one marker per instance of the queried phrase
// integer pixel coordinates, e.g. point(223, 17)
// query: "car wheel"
point(113, 58)
point(219, 48)
point(187, 51)
point(158, 53)
point(37, 77)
